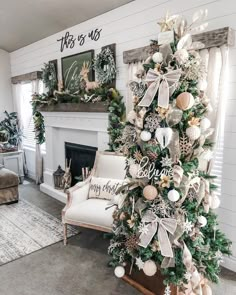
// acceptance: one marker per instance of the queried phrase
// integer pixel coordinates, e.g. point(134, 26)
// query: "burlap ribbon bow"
point(165, 225)
point(166, 83)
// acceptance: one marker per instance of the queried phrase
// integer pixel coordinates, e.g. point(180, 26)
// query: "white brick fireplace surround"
point(75, 127)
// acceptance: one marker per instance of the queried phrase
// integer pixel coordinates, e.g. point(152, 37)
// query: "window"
point(26, 113)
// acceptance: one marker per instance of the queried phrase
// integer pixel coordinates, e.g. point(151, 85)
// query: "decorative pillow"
point(103, 188)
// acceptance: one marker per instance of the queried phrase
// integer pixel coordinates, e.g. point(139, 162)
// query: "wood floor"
point(80, 268)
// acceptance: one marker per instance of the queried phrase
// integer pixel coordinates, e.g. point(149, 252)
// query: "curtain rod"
point(215, 38)
point(26, 77)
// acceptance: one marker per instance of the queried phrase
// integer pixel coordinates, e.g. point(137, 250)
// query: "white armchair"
point(92, 213)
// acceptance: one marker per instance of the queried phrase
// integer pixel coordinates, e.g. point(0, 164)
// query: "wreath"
point(105, 66)
point(49, 76)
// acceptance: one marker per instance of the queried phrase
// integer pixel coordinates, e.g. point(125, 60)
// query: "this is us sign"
point(70, 40)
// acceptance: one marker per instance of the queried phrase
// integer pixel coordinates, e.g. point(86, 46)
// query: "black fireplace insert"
point(82, 156)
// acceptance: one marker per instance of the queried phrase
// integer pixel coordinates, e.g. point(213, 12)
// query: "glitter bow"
point(165, 225)
point(166, 84)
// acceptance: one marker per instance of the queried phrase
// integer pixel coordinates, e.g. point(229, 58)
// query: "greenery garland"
point(39, 128)
point(105, 67)
point(116, 105)
point(116, 118)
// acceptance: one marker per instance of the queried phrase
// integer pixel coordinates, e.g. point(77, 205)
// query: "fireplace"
point(89, 130)
point(81, 156)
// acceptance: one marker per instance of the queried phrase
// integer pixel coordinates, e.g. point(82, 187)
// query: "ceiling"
point(23, 22)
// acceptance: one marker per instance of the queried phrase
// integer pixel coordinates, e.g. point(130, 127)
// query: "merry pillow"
point(103, 188)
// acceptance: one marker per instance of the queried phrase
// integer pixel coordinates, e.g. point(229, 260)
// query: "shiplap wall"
point(132, 26)
point(5, 84)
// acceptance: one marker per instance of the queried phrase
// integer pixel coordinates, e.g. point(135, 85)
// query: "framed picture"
point(71, 67)
point(113, 50)
point(54, 62)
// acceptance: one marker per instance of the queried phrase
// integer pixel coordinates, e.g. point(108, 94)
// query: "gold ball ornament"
point(119, 271)
point(185, 101)
point(206, 290)
point(150, 192)
point(193, 132)
point(145, 135)
point(149, 268)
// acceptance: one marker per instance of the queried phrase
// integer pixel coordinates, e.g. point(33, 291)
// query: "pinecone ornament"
point(132, 242)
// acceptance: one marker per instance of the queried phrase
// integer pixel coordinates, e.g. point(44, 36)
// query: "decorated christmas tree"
point(165, 210)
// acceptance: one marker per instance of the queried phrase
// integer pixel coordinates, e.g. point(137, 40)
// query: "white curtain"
point(216, 61)
point(38, 151)
point(132, 70)
point(18, 107)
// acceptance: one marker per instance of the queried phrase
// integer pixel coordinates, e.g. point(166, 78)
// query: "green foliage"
point(105, 67)
point(11, 125)
point(49, 77)
point(205, 243)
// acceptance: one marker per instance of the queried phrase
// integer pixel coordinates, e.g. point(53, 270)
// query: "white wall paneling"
point(5, 83)
point(132, 26)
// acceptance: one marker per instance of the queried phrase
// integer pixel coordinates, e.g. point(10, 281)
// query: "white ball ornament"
point(133, 170)
point(205, 124)
point(119, 271)
point(173, 195)
point(202, 220)
point(215, 202)
point(193, 132)
point(145, 135)
point(131, 117)
point(149, 268)
point(157, 57)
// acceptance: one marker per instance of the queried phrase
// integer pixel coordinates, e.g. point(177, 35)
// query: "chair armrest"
point(77, 194)
point(80, 194)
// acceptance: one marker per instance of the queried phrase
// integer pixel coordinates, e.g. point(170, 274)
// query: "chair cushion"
point(8, 178)
point(103, 188)
point(92, 212)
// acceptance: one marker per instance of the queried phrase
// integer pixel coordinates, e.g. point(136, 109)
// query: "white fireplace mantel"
point(75, 127)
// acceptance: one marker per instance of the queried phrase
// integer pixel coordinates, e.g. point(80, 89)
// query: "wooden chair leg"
point(65, 233)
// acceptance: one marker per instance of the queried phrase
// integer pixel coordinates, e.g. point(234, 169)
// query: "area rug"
point(25, 228)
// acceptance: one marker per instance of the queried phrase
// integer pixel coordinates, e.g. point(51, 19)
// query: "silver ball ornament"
point(133, 170)
point(202, 220)
point(173, 195)
point(145, 135)
point(157, 57)
point(205, 124)
point(193, 132)
point(215, 202)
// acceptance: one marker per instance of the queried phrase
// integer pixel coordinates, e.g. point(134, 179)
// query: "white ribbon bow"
point(165, 224)
point(166, 84)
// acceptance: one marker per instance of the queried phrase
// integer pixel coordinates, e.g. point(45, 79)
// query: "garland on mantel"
point(99, 92)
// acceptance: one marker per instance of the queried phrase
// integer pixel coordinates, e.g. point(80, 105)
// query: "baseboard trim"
point(52, 192)
point(230, 263)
